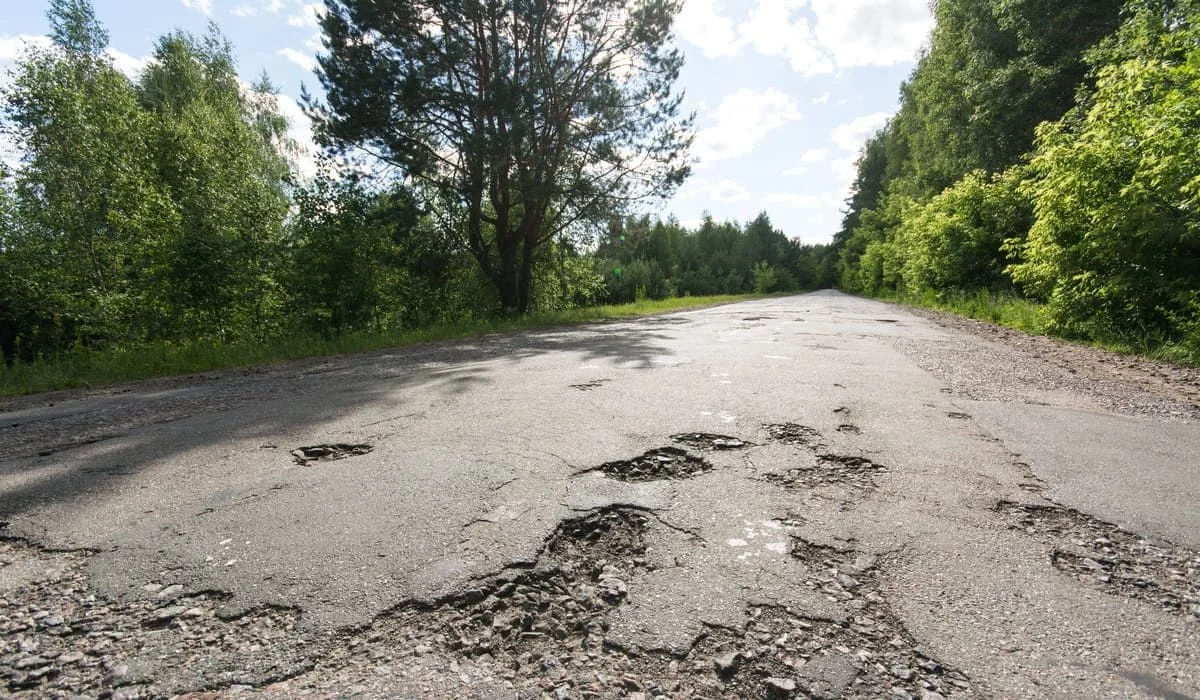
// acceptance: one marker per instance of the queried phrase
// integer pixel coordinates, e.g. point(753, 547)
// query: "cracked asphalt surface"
point(812, 496)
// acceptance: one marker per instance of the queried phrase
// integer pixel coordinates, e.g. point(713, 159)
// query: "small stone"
point(904, 673)
point(71, 657)
point(931, 695)
point(164, 615)
point(53, 621)
point(152, 587)
point(727, 663)
point(781, 686)
point(32, 661)
point(170, 590)
point(422, 649)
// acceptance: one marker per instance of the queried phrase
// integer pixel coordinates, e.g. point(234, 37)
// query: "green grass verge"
point(90, 368)
point(1032, 317)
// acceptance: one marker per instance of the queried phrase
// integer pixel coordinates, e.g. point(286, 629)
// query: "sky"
point(785, 91)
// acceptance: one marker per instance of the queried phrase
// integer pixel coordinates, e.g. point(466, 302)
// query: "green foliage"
point(956, 242)
point(1115, 248)
point(765, 279)
point(140, 212)
point(557, 113)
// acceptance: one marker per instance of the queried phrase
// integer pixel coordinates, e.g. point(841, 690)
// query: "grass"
point(1031, 317)
point(84, 367)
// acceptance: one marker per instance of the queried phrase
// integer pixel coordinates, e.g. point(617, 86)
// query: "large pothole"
point(795, 434)
point(329, 453)
point(1116, 560)
point(830, 470)
point(660, 463)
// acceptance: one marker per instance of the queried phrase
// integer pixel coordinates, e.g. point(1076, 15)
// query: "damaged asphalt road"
point(814, 496)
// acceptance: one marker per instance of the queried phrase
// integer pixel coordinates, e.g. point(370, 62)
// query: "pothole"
point(795, 434)
point(847, 470)
point(849, 428)
point(708, 441)
point(533, 627)
point(329, 453)
point(660, 463)
point(1115, 560)
point(593, 384)
point(59, 638)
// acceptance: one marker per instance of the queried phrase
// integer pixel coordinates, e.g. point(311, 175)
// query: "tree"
point(518, 120)
point(85, 193)
point(216, 151)
point(1115, 247)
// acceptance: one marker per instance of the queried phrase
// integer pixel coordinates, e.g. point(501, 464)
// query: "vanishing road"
point(808, 496)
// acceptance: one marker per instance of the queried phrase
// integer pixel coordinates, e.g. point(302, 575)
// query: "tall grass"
point(84, 367)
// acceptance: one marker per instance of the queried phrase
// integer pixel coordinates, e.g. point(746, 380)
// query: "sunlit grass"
point(83, 367)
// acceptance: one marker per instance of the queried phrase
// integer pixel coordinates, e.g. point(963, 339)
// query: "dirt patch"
point(58, 637)
point(660, 463)
point(829, 469)
point(995, 363)
point(708, 441)
point(1115, 560)
point(795, 434)
point(328, 453)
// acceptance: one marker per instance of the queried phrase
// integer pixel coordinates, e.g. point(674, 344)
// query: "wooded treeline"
point(165, 209)
point(1046, 150)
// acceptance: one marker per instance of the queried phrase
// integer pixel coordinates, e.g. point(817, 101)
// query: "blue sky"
point(785, 91)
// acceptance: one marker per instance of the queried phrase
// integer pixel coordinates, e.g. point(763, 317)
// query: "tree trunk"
point(525, 280)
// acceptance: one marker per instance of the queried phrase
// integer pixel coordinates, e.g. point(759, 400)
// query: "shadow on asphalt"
point(36, 443)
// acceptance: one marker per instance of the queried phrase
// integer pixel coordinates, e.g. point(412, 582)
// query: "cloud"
point(204, 6)
point(701, 22)
point(872, 32)
point(815, 36)
point(13, 47)
point(814, 155)
point(244, 11)
point(742, 120)
point(823, 99)
point(727, 191)
point(300, 131)
point(304, 60)
point(131, 66)
point(853, 134)
point(308, 17)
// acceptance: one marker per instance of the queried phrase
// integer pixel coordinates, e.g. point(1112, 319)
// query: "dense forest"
point(165, 208)
point(1044, 151)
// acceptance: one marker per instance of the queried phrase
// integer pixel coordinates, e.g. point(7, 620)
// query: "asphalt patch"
point(1117, 561)
point(657, 464)
point(328, 453)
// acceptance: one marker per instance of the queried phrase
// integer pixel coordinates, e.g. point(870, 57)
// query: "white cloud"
point(275, 6)
point(314, 43)
point(823, 99)
point(853, 134)
point(872, 32)
point(727, 191)
point(204, 6)
point(798, 170)
point(131, 66)
point(814, 155)
point(300, 131)
point(244, 11)
point(13, 48)
point(307, 17)
point(701, 22)
point(304, 60)
point(815, 36)
point(742, 120)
